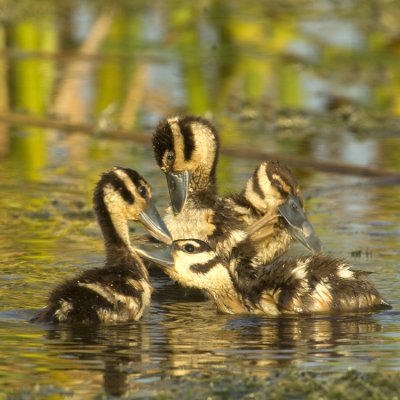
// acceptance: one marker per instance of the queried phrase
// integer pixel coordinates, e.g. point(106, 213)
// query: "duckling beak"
point(159, 254)
point(178, 186)
point(153, 222)
point(300, 228)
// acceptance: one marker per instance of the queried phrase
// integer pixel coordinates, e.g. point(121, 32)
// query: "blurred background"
point(323, 76)
point(83, 84)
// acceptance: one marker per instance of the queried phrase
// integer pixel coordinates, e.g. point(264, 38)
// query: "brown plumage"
point(120, 291)
point(186, 150)
point(272, 209)
point(308, 284)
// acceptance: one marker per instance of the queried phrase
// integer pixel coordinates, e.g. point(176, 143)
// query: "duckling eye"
point(170, 158)
point(188, 248)
point(277, 184)
point(142, 191)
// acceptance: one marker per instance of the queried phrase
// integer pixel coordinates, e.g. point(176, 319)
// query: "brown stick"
point(323, 166)
point(293, 161)
point(20, 119)
point(388, 180)
point(72, 56)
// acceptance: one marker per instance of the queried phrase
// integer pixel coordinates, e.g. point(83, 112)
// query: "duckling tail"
point(385, 304)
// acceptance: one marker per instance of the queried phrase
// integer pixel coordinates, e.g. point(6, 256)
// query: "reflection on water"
point(254, 66)
point(188, 338)
point(48, 233)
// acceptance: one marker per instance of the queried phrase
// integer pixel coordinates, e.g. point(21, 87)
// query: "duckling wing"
point(313, 284)
point(99, 295)
point(263, 229)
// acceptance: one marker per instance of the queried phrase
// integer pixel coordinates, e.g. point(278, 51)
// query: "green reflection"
point(33, 78)
point(391, 149)
point(185, 22)
point(31, 89)
point(28, 150)
point(112, 77)
point(4, 95)
point(230, 55)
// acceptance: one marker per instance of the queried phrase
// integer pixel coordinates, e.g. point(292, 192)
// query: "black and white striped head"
point(270, 185)
point(196, 265)
point(122, 194)
point(192, 263)
point(186, 150)
point(273, 189)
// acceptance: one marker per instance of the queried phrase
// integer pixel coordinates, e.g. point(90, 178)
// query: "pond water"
point(272, 77)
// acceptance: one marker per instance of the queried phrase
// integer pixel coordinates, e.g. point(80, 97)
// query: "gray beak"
point(159, 254)
point(299, 226)
point(153, 222)
point(178, 186)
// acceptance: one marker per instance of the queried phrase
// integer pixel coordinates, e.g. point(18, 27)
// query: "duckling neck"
point(115, 231)
point(242, 207)
point(203, 189)
point(274, 248)
point(228, 301)
point(225, 294)
point(126, 258)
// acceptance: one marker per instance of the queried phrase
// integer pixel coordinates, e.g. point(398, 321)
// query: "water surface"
point(317, 81)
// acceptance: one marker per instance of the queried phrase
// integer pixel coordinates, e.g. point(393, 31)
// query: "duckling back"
point(104, 295)
point(314, 284)
point(303, 285)
point(121, 290)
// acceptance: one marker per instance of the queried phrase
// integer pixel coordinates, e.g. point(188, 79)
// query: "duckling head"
point(186, 150)
point(273, 189)
point(122, 194)
point(192, 263)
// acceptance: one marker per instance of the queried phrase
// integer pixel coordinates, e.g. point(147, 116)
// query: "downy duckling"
point(120, 291)
point(186, 150)
point(272, 190)
point(304, 285)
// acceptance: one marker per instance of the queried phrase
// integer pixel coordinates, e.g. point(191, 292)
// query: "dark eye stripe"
point(118, 185)
point(204, 268)
point(135, 177)
point(277, 185)
point(274, 167)
point(185, 127)
point(256, 185)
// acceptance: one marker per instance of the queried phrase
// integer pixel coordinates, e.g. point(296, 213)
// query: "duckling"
point(272, 190)
point(120, 291)
point(186, 150)
point(304, 285)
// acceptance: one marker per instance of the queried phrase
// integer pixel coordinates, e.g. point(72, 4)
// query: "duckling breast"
point(190, 223)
